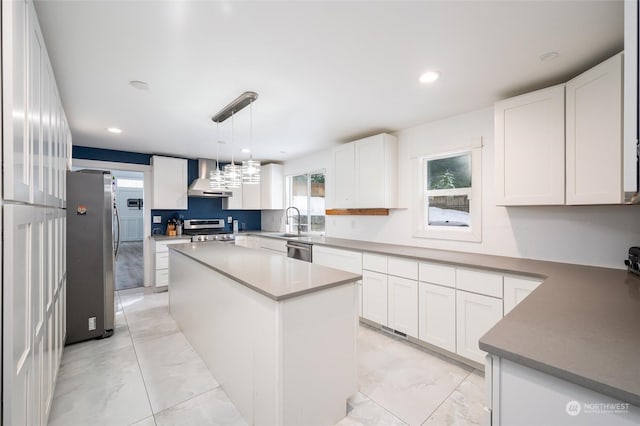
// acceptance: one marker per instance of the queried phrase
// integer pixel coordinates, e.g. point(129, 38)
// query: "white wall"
point(595, 235)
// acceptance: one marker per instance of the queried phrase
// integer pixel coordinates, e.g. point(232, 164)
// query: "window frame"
point(472, 233)
point(288, 196)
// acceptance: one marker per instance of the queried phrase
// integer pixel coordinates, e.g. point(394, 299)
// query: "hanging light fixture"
point(251, 167)
point(216, 178)
point(233, 171)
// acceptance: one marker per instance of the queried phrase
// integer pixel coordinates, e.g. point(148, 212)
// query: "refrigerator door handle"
point(117, 249)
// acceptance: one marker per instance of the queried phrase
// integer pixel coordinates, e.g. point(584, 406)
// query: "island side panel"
point(319, 364)
point(230, 327)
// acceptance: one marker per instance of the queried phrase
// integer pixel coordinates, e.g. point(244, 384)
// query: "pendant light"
point(216, 178)
point(251, 167)
point(233, 171)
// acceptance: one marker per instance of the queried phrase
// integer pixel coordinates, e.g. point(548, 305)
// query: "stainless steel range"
point(201, 230)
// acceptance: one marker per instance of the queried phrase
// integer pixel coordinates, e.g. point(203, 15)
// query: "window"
point(306, 192)
point(450, 201)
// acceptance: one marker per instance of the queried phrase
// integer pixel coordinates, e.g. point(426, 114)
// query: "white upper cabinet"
point(169, 183)
point(594, 135)
point(377, 172)
point(365, 173)
point(529, 148)
point(272, 187)
point(246, 197)
point(344, 176)
point(573, 130)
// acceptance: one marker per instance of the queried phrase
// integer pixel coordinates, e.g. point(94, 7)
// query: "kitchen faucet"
point(286, 213)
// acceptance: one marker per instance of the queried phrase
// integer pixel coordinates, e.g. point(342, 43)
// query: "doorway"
point(129, 196)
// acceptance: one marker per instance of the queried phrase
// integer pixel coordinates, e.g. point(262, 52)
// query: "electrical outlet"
point(229, 219)
point(157, 219)
point(92, 323)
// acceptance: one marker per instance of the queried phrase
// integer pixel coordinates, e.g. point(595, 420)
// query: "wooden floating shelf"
point(357, 212)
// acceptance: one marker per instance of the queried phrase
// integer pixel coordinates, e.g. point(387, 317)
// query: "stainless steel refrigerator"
point(91, 253)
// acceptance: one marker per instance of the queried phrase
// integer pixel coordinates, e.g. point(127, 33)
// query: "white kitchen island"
point(278, 334)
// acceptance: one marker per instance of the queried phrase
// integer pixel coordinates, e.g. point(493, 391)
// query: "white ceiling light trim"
point(139, 84)
point(114, 130)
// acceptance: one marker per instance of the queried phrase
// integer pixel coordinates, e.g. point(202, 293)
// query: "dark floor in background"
point(130, 266)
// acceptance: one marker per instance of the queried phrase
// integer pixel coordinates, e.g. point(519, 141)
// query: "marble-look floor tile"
point(172, 370)
point(101, 389)
point(362, 411)
point(464, 407)
point(210, 408)
point(149, 421)
point(409, 382)
point(151, 323)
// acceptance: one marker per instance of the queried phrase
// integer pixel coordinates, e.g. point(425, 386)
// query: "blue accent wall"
point(198, 208)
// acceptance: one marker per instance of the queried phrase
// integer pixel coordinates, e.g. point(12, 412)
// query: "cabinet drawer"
point(273, 244)
point(437, 274)
point(162, 277)
point(402, 268)
point(479, 282)
point(345, 260)
point(374, 262)
point(162, 260)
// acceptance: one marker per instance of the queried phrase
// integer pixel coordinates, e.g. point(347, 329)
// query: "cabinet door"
point(516, 290)
point(437, 315)
point(251, 196)
point(23, 279)
point(169, 183)
point(272, 187)
point(594, 135)
point(16, 148)
point(403, 305)
point(374, 296)
point(235, 201)
point(34, 108)
point(344, 176)
point(475, 315)
point(529, 148)
point(370, 173)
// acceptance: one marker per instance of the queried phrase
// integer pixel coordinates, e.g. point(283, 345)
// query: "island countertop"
point(582, 324)
point(270, 274)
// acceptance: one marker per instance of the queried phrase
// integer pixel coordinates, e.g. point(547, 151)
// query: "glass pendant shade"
point(216, 179)
point(233, 175)
point(251, 171)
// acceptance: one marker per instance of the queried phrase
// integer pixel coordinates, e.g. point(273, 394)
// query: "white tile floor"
point(148, 374)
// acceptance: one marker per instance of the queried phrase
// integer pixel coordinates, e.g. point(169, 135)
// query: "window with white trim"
point(450, 196)
point(306, 192)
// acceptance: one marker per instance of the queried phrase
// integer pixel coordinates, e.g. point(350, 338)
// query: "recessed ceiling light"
point(429, 77)
point(283, 152)
point(246, 150)
point(114, 130)
point(549, 56)
point(140, 85)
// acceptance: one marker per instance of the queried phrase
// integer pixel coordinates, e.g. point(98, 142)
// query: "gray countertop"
point(271, 274)
point(581, 324)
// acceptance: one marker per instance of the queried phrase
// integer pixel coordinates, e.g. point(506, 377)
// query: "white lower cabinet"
point(403, 305)
point(516, 289)
point(162, 261)
point(437, 315)
point(475, 315)
point(345, 260)
point(273, 244)
point(374, 296)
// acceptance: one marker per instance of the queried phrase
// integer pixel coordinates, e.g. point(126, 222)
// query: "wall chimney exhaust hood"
point(201, 187)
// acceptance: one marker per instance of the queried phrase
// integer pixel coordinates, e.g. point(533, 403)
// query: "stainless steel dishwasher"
point(299, 250)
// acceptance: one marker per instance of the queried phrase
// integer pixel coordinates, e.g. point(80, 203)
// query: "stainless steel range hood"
point(201, 187)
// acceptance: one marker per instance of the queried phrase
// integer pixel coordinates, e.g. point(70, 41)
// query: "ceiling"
point(326, 72)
